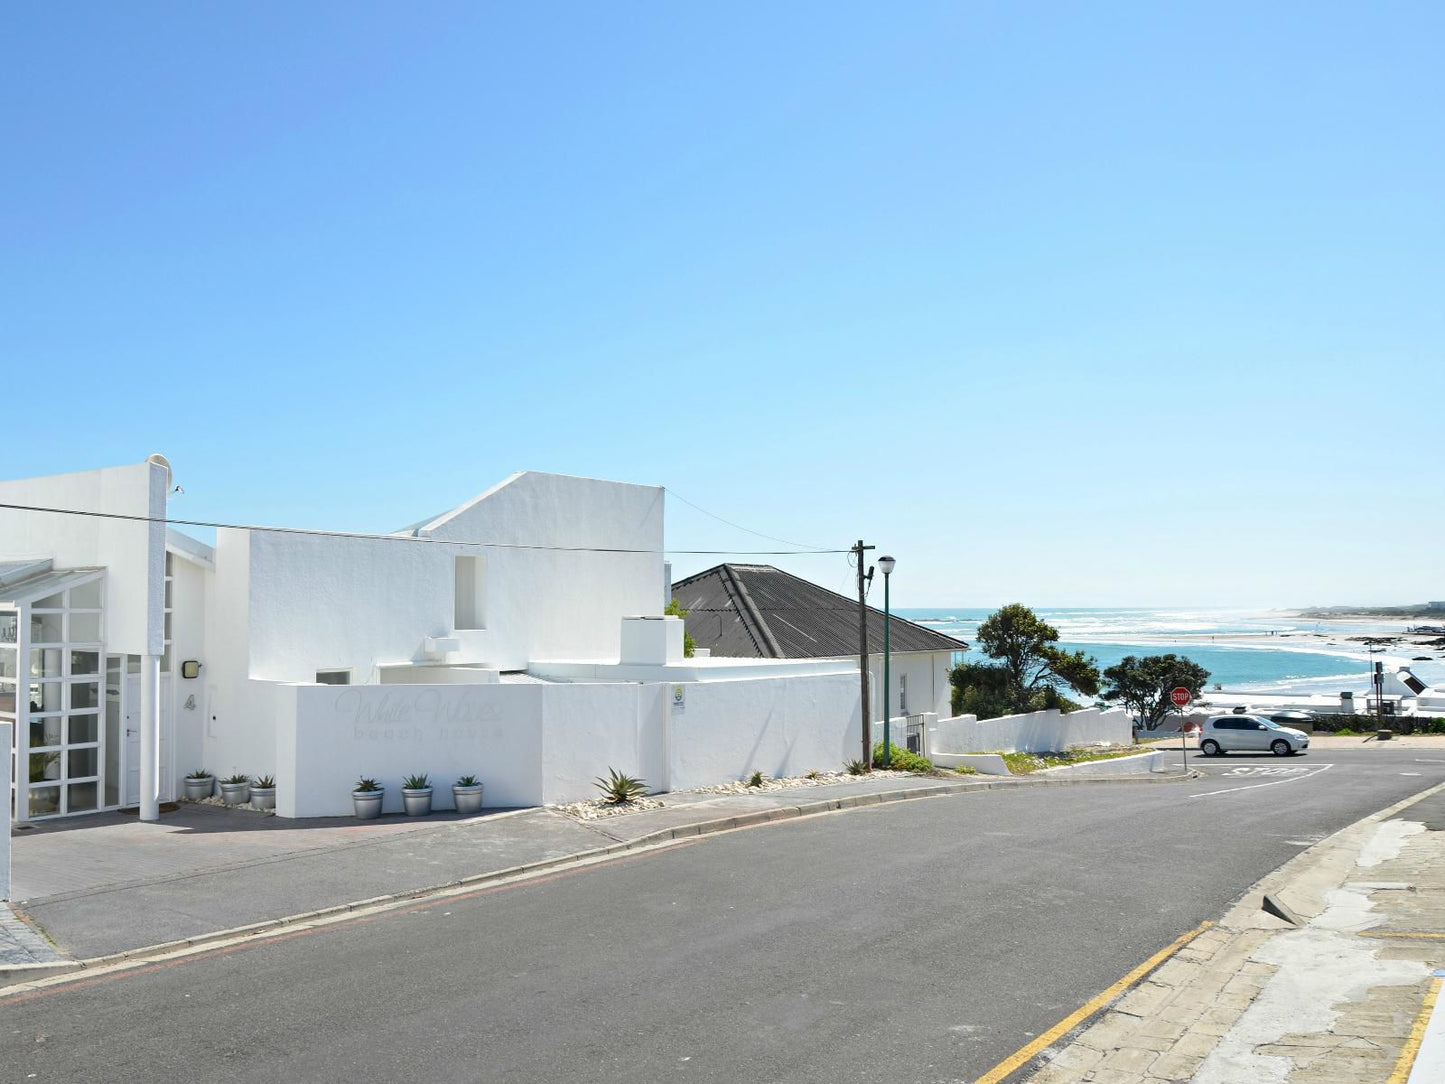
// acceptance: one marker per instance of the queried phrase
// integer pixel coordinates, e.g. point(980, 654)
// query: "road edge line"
point(1021, 1057)
point(1406, 1062)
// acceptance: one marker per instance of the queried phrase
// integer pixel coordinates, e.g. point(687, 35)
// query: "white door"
point(131, 717)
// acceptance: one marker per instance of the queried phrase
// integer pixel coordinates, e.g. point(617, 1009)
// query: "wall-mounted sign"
point(679, 698)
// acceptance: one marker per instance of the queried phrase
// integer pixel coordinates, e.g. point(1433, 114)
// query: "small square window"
point(333, 677)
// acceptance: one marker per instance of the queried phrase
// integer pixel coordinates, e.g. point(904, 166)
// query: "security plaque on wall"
point(679, 698)
point(190, 669)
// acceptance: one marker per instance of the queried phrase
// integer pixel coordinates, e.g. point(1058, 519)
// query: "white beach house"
point(518, 637)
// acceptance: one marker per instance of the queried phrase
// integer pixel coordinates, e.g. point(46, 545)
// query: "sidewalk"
point(111, 884)
point(1342, 999)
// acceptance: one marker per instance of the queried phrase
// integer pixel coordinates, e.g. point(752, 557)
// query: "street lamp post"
point(886, 564)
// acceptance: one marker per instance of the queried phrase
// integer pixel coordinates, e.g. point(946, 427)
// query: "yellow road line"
point(1416, 1037)
point(1412, 935)
point(1019, 1058)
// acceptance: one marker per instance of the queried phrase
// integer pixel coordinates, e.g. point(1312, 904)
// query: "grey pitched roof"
point(758, 611)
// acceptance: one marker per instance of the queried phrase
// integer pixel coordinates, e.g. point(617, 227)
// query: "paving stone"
point(1130, 1059)
point(1173, 1067)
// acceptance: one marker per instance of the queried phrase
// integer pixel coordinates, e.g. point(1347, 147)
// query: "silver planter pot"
point(468, 799)
point(263, 797)
point(416, 802)
point(200, 789)
point(235, 793)
point(366, 804)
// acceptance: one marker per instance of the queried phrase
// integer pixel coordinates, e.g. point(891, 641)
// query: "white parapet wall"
point(1036, 732)
point(545, 743)
point(1139, 763)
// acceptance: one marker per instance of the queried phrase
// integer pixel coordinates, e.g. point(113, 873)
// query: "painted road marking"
point(1257, 769)
point(1020, 1057)
point(1402, 1072)
point(1305, 773)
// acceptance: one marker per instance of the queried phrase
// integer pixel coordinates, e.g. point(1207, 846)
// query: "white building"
point(762, 612)
point(518, 637)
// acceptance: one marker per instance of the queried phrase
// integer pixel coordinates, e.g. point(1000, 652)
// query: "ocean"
point(1110, 634)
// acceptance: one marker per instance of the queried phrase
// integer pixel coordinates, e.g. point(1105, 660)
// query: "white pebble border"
point(596, 808)
point(216, 799)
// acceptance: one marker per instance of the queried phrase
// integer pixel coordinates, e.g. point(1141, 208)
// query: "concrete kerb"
point(1245, 917)
point(31, 976)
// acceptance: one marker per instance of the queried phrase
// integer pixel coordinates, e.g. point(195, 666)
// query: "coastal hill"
point(1423, 609)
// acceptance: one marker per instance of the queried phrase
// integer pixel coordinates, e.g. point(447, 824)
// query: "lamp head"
point(886, 564)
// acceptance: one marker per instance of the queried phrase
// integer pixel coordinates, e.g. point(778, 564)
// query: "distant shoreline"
point(1386, 613)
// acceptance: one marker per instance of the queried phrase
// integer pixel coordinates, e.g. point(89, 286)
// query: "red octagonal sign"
point(1180, 697)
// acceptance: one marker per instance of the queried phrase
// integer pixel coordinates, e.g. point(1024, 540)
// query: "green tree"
point(689, 645)
point(981, 689)
point(1026, 647)
point(1143, 685)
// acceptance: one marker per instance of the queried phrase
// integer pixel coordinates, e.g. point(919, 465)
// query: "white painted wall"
point(1035, 732)
point(188, 641)
point(927, 673)
point(122, 546)
point(728, 729)
point(532, 744)
point(562, 603)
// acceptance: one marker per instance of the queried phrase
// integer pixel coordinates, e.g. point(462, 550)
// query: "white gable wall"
point(564, 599)
point(122, 546)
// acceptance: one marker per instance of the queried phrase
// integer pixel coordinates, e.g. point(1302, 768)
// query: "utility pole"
point(858, 551)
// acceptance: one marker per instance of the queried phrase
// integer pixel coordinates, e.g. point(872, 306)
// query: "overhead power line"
point(747, 530)
point(407, 537)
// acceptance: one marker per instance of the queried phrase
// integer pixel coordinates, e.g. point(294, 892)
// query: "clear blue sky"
point(1061, 303)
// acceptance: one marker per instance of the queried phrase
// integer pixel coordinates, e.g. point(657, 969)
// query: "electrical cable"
point(411, 538)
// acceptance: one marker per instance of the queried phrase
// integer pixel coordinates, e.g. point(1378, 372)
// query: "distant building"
point(762, 612)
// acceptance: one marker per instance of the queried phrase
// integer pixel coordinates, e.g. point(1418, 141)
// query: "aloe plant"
point(238, 778)
point(420, 781)
point(199, 773)
point(263, 782)
point(756, 779)
point(469, 781)
point(367, 786)
point(620, 789)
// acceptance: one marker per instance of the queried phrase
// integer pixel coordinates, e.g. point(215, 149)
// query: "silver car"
point(1250, 734)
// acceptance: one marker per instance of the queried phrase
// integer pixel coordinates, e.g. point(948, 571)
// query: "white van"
point(1250, 733)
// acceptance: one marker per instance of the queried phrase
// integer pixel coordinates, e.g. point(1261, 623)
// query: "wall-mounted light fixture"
point(190, 669)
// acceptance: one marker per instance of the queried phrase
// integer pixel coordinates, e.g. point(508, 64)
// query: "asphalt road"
point(923, 941)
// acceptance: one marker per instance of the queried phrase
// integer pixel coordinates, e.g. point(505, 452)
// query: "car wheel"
point(1210, 747)
point(1280, 747)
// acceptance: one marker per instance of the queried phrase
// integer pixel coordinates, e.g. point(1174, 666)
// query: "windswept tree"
point(1028, 671)
point(1143, 684)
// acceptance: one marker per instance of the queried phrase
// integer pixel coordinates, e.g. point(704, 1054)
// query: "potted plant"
point(200, 785)
point(236, 789)
point(416, 795)
point(467, 792)
point(263, 792)
point(366, 798)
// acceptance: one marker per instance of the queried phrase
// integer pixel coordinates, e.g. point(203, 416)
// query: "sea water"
point(1110, 634)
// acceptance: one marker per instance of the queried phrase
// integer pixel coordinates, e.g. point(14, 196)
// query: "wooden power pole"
point(859, 551)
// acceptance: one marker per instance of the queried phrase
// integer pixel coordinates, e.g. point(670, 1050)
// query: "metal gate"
point(913, 733)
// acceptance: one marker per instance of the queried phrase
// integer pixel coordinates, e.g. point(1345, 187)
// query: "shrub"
point(367, 786)
point(620, 789)
point(901, 759)
point(756, 779)
point(966, 769)
point(420, 781)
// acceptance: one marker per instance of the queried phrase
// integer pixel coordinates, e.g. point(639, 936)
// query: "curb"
point(20, 976)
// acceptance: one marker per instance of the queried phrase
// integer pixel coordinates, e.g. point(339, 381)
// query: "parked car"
point(1291, 718)
point(1250, 734)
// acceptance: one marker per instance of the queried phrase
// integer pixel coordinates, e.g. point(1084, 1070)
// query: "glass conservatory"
point(60, 692)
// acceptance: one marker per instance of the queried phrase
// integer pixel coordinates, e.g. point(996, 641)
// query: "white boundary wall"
point(1036, 732)
point(535, 744)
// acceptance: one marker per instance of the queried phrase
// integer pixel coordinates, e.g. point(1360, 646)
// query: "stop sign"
point(1180, 697)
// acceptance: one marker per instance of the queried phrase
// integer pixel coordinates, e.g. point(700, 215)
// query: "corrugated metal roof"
point(758, 611)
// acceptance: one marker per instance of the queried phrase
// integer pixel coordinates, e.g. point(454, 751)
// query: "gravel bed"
point(597, 808)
